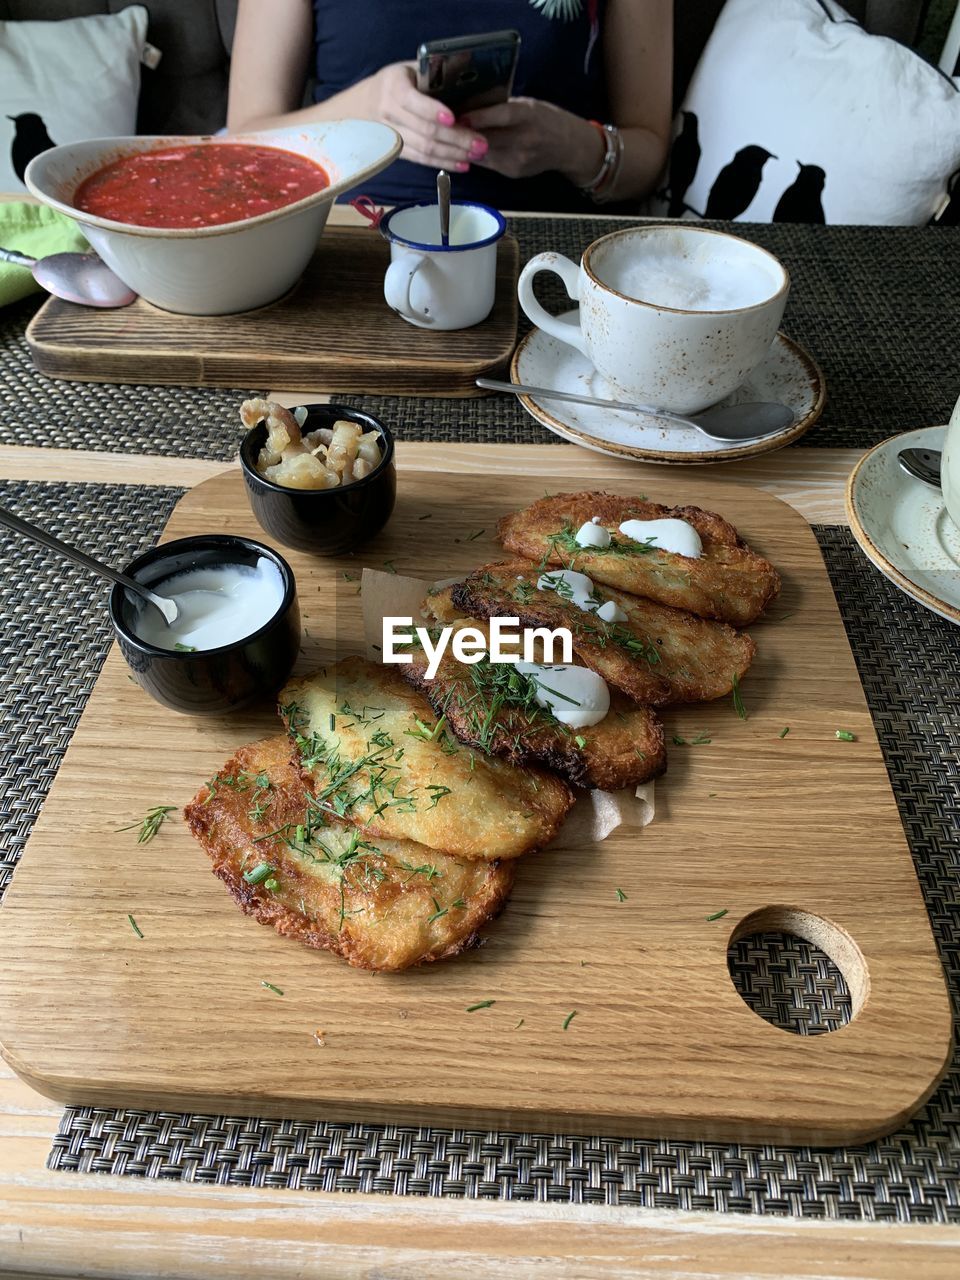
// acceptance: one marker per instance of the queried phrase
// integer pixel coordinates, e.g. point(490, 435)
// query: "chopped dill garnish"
point(738, 706)
point(135, 927)
point(569, 1018)
point(474, 536)
point(350, 577)
point(718, 915)
point(846, 736)
point(580, 741)
point(784, 731)
point(520, 1023)
point(621, 896)
point(483, 1004)
point(389, 566)
point(700, 740)
point(262, 871)
point(271, 987)
point(151, 824)
point(185, 648)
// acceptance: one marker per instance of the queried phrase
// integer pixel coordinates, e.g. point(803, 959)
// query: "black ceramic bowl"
point(208, 681)
point(324, 521)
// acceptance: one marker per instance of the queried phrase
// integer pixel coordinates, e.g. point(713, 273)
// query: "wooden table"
point(68, 1225)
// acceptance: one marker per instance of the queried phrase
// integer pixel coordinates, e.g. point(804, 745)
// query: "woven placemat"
point(867, 302)
point(54, 638)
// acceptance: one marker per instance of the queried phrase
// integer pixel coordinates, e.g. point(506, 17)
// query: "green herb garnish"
point(784, 731)
point(483, 1004)
point(717, 915)
point(738, 706)
point(569, 1018)
point(621, 896)
point(135, 927)
point(262, 871)
point(185, 648)
point(580, 741)
point(846, 736)
point(271, 987)
point(151, 824)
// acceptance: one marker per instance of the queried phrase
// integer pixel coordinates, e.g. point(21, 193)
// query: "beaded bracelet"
point(603, 183)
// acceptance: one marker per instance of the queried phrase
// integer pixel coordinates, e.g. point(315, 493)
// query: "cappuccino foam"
point(666, 280)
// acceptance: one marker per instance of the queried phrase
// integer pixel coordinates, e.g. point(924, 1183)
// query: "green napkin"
point(37, 230)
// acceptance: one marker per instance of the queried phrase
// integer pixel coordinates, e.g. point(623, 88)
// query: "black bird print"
point(684, 159)
point(29, 139)
point(801, 201)
point(737, 183)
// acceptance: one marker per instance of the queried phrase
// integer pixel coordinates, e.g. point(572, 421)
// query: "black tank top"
point(558, 63)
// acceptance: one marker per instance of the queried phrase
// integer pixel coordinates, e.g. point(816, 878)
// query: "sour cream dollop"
point(218, 605)
point(592, 534)
point(669, 535)
point(577, 696)
point(578, 588)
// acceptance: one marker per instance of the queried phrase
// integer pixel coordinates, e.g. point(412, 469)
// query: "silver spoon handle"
point(443, 199)
point(491, 384)
point(17, 258)
point(78, 557)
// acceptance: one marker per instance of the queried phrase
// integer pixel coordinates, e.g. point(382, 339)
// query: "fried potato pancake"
point(659, 655)
point(490, 706)
point(439, 605)
point(728, 582)
point(370, 753)
point(385, 905)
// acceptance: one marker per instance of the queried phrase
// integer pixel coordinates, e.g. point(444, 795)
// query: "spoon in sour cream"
point(168, 608)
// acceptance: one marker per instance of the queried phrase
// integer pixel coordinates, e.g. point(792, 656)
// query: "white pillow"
point(74, 79)
point(876, 128)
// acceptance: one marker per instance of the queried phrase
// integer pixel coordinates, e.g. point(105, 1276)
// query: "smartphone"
point(469, 72)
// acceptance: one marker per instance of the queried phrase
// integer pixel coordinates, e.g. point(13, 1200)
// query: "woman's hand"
point(430, 134)
point(527, 136)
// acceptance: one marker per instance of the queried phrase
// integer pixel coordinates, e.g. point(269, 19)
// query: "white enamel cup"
point(437, 286)
point(677, 358)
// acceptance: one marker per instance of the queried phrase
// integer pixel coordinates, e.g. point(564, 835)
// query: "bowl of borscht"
point(210, 225)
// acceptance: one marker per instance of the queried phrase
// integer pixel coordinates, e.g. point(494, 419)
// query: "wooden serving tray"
point(800, 832)
point(332, 332)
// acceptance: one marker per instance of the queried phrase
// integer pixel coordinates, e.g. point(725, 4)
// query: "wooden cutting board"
point(800, 832)
point(332, 332)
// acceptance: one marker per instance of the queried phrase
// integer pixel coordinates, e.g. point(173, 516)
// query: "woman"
point(544, 149)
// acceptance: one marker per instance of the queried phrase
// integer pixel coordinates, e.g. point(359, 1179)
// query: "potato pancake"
point(728, 581)
point(657, 655)
point(382, 905)
point(371, 752)
point(493, 707)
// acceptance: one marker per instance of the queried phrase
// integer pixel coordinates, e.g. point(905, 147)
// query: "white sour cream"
point(217, 606)
point(577, 696)
point(578, 588)
point(670, 535)
point(592, 534)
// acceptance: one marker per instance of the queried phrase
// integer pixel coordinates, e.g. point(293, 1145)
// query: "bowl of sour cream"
point(237, 633)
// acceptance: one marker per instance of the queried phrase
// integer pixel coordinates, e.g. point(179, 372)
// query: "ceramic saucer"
point(902, 525)
point(788, 375)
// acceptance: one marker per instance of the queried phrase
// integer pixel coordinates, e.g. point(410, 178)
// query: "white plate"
point(788, 375)
point(902, 525)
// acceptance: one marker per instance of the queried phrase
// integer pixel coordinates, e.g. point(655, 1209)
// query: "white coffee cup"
point(674, 316)
point(950, 467)
point(438, 286)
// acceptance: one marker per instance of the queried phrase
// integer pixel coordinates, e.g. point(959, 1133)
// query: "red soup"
point(198, 186)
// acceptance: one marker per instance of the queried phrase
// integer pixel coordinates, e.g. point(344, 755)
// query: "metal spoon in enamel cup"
point(922, 463)
point(734, 422)
point(443, 200)
point(75, 277)
point(168, 608)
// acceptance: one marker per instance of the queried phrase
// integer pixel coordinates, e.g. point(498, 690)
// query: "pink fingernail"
point(461, 168)
point(479, 147)
point(445, 117)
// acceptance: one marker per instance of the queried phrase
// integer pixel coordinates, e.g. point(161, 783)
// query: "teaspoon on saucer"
point(168, 608)
point(735, 422)
point(922, 463)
